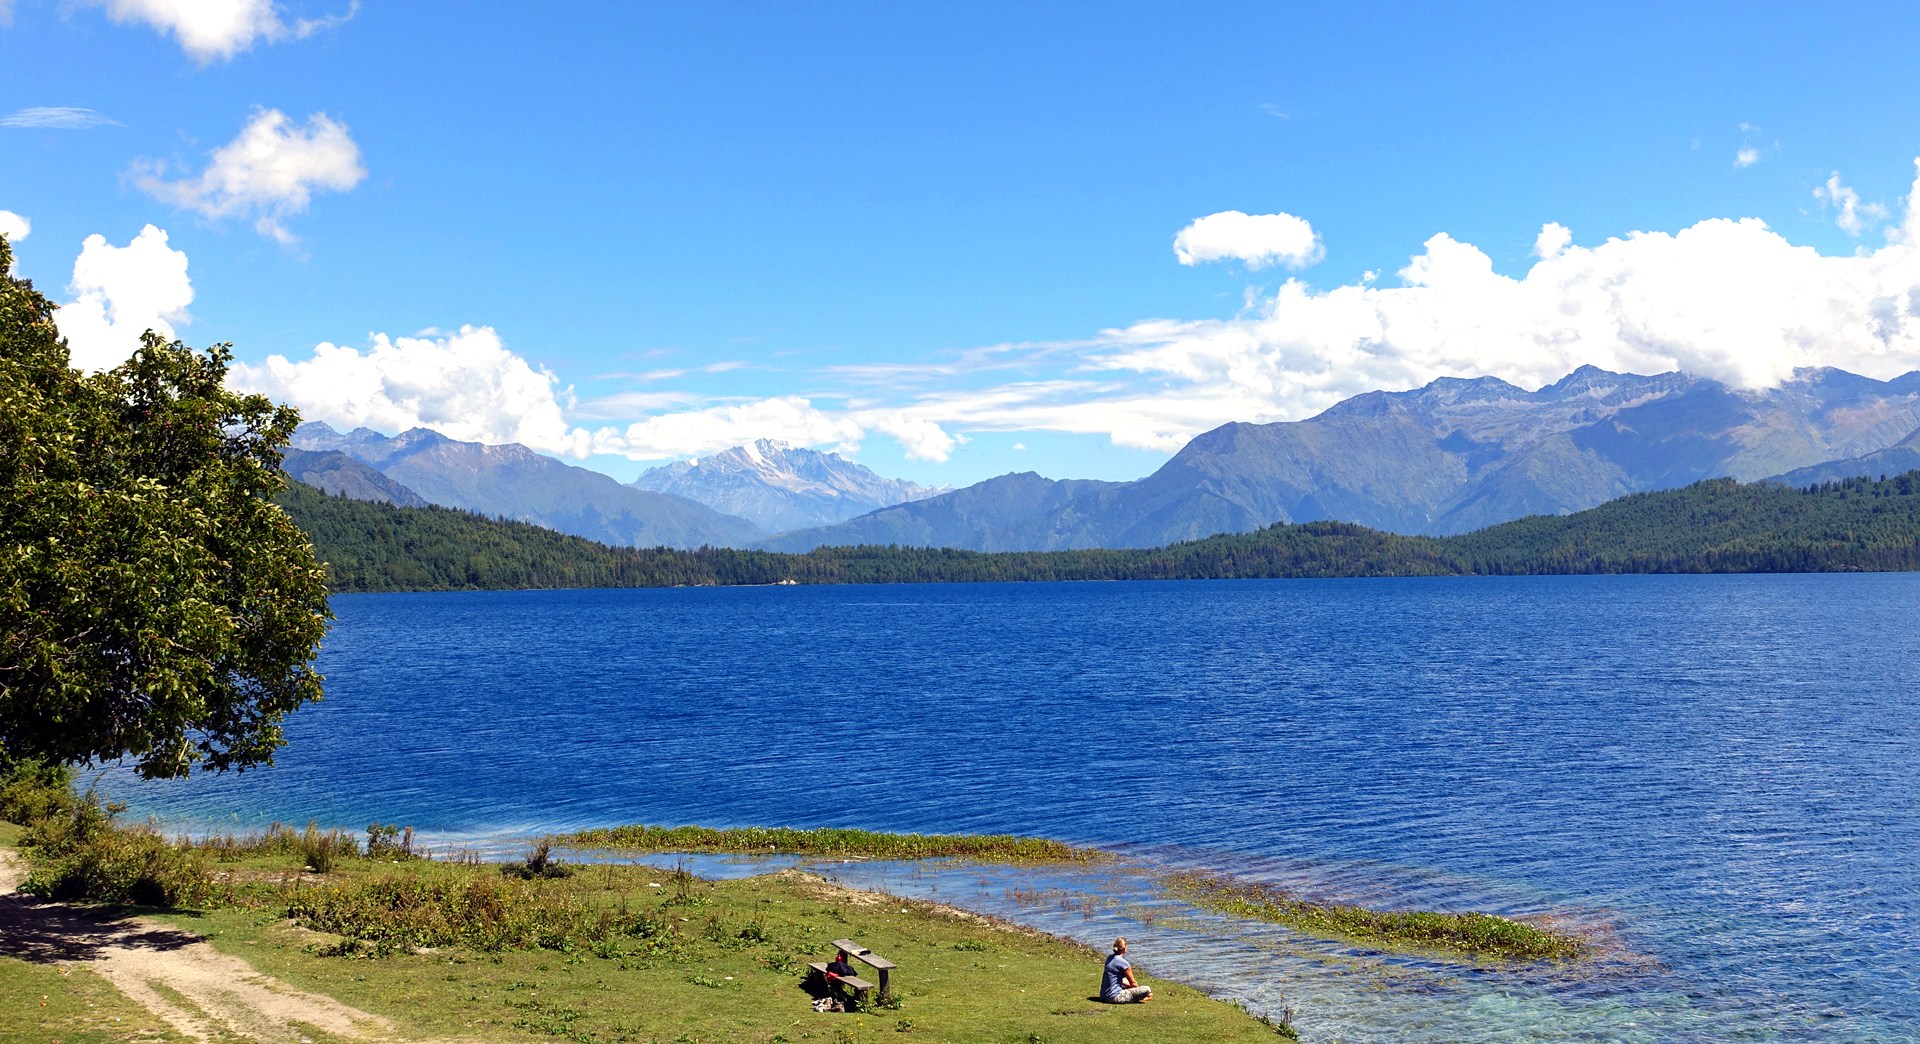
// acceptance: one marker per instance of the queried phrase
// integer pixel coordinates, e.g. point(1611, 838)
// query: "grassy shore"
point(611, 954)
point(1476, 935)
point(828, 842)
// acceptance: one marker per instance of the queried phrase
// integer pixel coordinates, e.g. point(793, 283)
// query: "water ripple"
point(1718, 770)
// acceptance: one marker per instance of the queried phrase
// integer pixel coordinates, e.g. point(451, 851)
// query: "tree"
point(155, 604)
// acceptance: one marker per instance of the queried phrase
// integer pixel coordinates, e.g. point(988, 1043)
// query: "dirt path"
point(202, 993)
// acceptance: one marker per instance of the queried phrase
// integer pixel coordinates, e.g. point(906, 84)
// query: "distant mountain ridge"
point(1446, 458)
point(781, 487)
point(1718, 525)
point(512, 482)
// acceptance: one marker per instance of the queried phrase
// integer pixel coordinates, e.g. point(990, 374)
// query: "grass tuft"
point(1469, 934)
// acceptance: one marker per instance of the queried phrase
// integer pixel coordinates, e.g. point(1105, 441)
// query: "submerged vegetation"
point(831, 842)
point(1470, 934)
point(1718, 526)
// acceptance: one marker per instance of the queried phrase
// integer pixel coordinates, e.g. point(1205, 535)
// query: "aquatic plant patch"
point(1469, 934)
point(837, 843)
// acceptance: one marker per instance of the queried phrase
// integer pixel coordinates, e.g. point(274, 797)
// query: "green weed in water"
point(859, 844)
point(1469, 934)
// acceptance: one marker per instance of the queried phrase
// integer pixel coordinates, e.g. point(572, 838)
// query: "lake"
point(1717, 774)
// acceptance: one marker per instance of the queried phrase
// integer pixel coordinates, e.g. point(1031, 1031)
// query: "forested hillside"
point(1714, 526)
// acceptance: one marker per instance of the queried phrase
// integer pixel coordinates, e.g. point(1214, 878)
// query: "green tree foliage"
point(1715, 526)
point(155, 603)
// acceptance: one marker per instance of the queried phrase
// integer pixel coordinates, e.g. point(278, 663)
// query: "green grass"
point(1468, 934)
point(836, 843)
point(617, 954)
point(643, 954)
point(67, 1004)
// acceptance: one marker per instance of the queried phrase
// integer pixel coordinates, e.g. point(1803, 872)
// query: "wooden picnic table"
point(872, 960)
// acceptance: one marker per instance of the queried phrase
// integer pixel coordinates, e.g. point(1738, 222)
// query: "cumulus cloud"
point(121, 293)
point(1746, 156)
point(211, 30)
point(14, 227)
point(1554, 237)
point(56, 117)
point(1852, 215)
point(1728, 299)
point(269, 173)
point(1258, 240)
point(468, 385)
point(465, 385)
point(923, 439)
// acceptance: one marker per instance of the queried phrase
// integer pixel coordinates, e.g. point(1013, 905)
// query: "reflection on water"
point(1717, 772)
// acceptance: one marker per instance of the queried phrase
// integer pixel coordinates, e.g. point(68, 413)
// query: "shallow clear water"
point(1718, 773)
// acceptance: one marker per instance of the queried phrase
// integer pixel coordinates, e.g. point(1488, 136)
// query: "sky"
point(951, 241)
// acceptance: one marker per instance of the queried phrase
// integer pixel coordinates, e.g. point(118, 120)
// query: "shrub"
point(81, 823)
point(539, 864)
point(83, 855)
point(33, 790)
point(400, 911)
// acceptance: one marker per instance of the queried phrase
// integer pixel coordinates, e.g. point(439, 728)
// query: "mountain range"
point(510, 482)
point(1447, 458)
point(1450, 457)
point(780, 487)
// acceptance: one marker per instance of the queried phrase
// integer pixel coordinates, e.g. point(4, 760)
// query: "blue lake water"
point(1717, 774)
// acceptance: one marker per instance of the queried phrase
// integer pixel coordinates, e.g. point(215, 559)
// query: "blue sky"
point(946, 234)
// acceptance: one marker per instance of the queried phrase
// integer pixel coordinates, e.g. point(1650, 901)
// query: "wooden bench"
point(857, 988)
point(871, 960)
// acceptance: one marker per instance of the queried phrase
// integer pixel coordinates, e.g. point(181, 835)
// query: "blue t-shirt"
point(1113, 979)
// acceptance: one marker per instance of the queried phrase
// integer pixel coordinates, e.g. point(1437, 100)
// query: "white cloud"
point(56, 117)
point(1259, 240)
point(121, 293)
point(922, 438)
point(789, 418)
point(1731, 300)
point(1853, 216)
point(1752, 148)
point(218, 29)
point(1728, 299)
point(270, 172)
point(1554, 237)
point(14, 227)
point(465, 385)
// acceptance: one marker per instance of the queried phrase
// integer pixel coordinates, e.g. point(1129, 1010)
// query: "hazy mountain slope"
point(781, 487)
point(334, 472)
point(1006, 513)
point(1894, 460)
point(514, 482)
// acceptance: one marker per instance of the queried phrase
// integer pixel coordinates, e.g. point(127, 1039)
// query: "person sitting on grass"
point(1117, 984)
